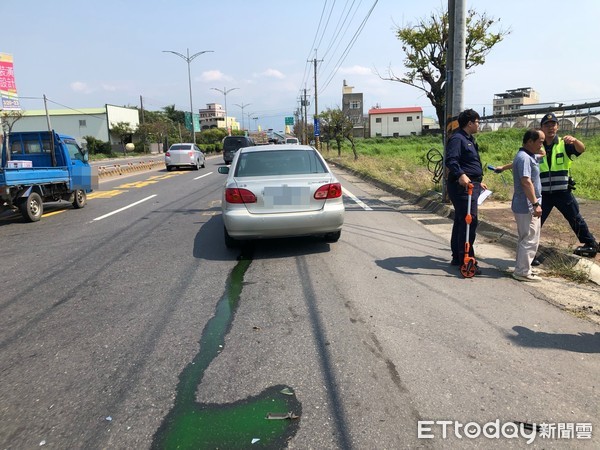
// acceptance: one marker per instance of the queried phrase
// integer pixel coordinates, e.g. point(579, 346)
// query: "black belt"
point(453, 179)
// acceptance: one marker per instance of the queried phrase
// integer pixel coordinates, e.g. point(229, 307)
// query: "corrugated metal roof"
point(412, 109)
point(64, 112)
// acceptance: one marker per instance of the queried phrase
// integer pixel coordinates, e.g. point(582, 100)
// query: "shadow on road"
point(581, 343)
point(428, 265)
point(209, 244)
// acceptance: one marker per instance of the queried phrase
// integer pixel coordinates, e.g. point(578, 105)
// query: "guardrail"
point(121, 169)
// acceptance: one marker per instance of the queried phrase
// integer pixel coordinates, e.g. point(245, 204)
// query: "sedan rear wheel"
point(333, 237)
point(229, 241)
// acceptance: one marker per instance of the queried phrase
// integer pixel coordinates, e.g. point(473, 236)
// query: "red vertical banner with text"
point(8, 88)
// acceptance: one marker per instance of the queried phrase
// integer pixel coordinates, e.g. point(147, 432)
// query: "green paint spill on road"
point(193, 425)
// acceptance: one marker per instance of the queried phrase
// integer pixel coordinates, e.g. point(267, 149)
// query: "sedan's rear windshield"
point(180, 147)
point(279, 162)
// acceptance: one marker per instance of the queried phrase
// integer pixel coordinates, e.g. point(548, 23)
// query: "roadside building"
point(508, 102)
point(95, 122)
point(214, 116)
point(352, 107)
point(395, 122)
point(430, 124)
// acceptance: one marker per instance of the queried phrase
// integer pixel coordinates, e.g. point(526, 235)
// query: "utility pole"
point(315, 121)
point(142, 108)
point(304, 129)
point(52, 150)
point(460, 46)
point(142, 113)
point(455, 73)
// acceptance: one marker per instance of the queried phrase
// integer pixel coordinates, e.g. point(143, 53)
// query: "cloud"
point(85, 88)
point(80, 86)
point(214, 75)
point(272, 73)
point(109, 87)
point(355, 70)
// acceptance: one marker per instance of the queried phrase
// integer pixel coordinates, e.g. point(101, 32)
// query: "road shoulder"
point(496, 244)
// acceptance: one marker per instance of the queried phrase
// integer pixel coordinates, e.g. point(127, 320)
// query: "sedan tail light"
point(332, 190)
point(191, 154)
point(167, 154)
point(236, 195)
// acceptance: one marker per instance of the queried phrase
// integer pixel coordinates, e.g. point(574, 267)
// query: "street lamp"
point(189, 59)
point(225, 91)
point(249, 114)
point(243, 106)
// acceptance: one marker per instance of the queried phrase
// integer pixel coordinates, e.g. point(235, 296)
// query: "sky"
point(85, 54)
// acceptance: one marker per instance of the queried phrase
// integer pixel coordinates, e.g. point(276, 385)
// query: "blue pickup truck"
point(43, 166)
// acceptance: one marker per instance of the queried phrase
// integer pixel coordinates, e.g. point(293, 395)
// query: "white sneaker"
point(532, 278)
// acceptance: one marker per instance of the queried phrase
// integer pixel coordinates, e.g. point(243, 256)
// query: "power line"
point(339, 41)
point(350, 45)
point(338, 28)
point(326, 24)
point(344, 23)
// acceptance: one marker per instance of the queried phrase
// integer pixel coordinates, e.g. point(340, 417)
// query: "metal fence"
point(582, 119)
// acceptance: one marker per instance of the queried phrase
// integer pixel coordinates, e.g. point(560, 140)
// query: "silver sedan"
point(184, 155)
point(280, 191)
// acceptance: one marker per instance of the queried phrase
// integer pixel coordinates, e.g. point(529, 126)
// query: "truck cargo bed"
point(34, 175)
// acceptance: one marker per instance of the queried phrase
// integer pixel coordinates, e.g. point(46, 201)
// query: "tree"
point(124, 131)
point(426, 45)
point(175, 115)
point(337, 126)
point(8, 119)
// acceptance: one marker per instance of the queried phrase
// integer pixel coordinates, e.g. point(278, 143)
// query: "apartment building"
point(352, 107)
point(514, 99)
point(214, 116)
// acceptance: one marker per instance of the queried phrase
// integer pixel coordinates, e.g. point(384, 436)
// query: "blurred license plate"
point(286, 195)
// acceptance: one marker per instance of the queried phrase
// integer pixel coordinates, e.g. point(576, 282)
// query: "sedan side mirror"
point(223, 169)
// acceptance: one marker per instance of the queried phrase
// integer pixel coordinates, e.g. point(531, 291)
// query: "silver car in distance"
point(184, 155)
point(283, 190)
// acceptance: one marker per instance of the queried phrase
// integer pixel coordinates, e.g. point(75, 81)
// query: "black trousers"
point(566, 203)
point(460, 200)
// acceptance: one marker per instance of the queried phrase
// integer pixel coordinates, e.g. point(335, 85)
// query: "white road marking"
point(358, 201)
point(202, 176)
point(124, 208)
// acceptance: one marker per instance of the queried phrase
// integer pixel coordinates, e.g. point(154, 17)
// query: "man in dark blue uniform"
point(464, 167)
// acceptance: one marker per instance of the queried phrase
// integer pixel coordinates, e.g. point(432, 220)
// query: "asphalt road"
point(122, 320)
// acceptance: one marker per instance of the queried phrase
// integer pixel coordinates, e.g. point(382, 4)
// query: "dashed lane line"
point(358, 201)
point(124, 208)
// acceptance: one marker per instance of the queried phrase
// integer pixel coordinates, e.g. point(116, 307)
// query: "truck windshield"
point(74, 151)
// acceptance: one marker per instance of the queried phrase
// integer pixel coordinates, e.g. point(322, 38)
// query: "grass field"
point(411, 162)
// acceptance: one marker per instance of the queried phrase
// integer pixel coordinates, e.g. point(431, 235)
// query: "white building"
point(514, 99)
point(95, 122)
point(213, 116)
point(395, 122)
